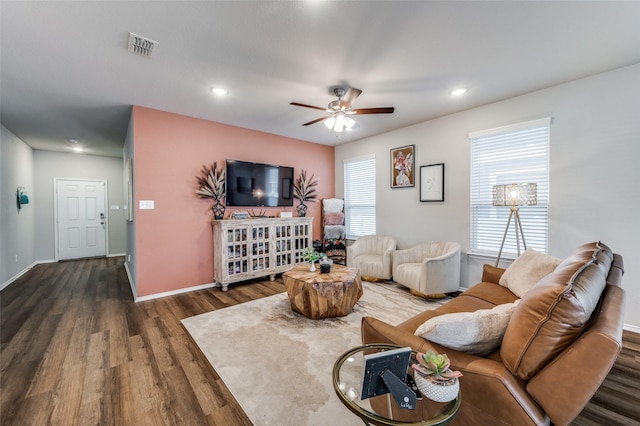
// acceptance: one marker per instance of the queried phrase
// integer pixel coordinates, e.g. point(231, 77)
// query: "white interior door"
point(81, 218)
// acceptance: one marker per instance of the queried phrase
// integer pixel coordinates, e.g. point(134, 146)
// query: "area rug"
point(278, 363)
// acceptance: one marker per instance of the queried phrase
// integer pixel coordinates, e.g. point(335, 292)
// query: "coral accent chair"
point(430, 268)
point(372, 254)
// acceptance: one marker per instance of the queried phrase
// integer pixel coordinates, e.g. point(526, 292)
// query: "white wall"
point(17, 227)
point(594, 171)
point(50, 165)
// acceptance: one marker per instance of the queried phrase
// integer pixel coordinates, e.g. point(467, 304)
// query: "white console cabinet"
point(253, 248)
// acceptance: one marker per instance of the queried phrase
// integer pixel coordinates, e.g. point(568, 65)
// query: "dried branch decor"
point(305, 189)
point(211, 181)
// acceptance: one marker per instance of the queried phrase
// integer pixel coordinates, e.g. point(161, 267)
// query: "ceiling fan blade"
point(307, 106)
point(384, 110)
point(351, 95)
point(315, 121)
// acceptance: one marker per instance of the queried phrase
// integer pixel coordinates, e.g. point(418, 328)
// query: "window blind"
point(360, 196)
point(512, 154)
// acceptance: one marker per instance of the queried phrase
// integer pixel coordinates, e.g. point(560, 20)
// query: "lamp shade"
point(515, 194)
point(329, 122)
point(339, 122)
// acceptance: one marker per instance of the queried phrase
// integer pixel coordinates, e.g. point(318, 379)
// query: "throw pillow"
point(479, 332)
point(527, 270)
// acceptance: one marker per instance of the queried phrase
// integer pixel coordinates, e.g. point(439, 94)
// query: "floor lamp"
point(515, 195)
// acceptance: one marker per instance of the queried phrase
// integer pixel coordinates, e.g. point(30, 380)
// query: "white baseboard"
point(174, 292)
point(24, 271)
point(116, 254)
point(16, 276)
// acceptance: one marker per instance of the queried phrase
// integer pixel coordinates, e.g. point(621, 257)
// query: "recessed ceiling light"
point(77, 149)
point(219, 91)
point(458, 92)
point(73, 140)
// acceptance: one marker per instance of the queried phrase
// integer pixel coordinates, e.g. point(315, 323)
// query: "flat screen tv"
point(258, 185)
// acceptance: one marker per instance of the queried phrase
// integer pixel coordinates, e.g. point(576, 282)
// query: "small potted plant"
point(211, 182)
point(434, 378)
point(304, 189)
point(311, 256)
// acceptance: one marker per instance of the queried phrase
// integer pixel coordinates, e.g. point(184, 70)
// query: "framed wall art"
point(432, 182)
point(402, 166)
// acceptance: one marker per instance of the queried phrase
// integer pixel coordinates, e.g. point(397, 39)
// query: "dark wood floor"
point(75, 349)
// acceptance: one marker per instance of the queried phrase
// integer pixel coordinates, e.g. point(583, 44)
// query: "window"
point(360, 196)
point(512, 154)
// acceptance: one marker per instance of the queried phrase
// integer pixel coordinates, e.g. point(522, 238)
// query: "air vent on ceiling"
point(142, 46)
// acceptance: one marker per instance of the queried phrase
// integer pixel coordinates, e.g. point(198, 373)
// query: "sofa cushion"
point(487, 292)
point(371, 266)
point(527, 270)
point(555, 311)
point(480, 296)
point(408, 273)
point(478, 332)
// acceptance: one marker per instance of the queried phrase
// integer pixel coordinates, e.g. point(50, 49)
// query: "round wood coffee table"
point(317, 295)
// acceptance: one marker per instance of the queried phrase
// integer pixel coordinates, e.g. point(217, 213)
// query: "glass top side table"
point(383, 410)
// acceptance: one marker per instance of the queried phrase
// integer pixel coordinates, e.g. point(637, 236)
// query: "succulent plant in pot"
point(434, 378)
point(435, 365)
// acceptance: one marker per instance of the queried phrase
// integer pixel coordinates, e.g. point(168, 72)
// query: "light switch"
point(146, 205)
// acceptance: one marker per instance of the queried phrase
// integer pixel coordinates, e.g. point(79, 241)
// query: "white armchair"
point(430, 268)
point(372, 255)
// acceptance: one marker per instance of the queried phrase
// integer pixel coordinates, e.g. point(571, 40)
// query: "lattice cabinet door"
point(237, 251)
point(301, 240)
point(260, 248)
point(282, 242)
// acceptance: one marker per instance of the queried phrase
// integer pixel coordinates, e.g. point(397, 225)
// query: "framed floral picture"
point(432, 182)
point(402, 166)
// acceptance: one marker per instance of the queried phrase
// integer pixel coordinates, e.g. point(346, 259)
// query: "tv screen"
point(258, 185)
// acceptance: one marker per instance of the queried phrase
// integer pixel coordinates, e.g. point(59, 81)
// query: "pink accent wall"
point(173, 241)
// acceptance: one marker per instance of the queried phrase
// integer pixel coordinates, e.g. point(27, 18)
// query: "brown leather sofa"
point(560, 344)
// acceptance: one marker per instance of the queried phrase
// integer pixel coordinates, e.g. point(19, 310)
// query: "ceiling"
point(66, 72)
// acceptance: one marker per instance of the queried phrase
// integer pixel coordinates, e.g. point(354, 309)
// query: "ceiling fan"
point(340, 110)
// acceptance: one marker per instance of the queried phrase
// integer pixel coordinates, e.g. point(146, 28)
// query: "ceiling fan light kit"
point(339, 122)
point(340, 110)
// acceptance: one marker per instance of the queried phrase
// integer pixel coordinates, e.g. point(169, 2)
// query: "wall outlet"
point(16, 258)
point(129, 258)
point(147, 204)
